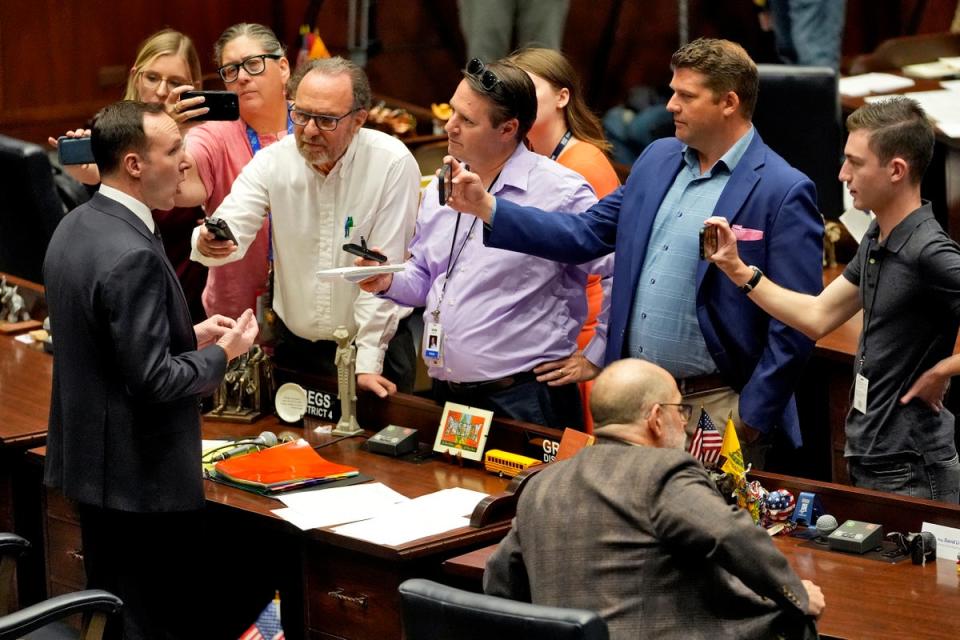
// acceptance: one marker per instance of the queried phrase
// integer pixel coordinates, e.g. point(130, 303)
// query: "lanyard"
point(561, 145)
point(452, 260)
point(254, 139)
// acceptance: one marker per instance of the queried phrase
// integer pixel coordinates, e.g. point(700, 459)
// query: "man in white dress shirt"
point(331, 183)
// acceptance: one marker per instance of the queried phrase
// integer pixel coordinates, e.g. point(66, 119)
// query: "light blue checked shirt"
point(663, 324)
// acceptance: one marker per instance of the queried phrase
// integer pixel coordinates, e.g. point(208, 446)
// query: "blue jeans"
point(808, 32)
point(911, 477)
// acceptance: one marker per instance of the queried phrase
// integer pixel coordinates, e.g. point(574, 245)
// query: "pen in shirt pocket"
point(348, 227)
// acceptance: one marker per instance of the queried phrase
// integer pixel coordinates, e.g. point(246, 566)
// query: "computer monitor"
point(30, 208)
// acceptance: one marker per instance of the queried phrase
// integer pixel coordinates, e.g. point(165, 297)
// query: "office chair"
point(42, 621)
point(432, 611)
point(798, 116)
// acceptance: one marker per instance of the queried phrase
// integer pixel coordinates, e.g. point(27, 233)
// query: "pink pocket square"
point(743, 233)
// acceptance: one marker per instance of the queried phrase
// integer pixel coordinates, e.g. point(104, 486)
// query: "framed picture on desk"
point(463, 431)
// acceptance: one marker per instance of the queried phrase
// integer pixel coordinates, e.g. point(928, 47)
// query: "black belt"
point(489, 386)
point(697, 384)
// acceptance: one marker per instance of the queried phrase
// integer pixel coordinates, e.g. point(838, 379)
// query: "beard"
point(315, 154)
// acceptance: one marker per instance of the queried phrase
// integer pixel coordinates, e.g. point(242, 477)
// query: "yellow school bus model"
point(506, 463)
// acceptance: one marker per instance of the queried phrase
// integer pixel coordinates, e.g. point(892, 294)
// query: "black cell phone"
point(74, 150)
point(709, 241)
point(362, 251)
point(220, 229)
point(223, 105)
point(445, 183)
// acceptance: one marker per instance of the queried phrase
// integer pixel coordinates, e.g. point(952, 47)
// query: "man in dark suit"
point(665, 556)
point(129, 367)
point(667, 306)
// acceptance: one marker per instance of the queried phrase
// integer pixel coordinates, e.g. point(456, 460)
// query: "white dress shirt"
point(136, 207)
point(376, 185)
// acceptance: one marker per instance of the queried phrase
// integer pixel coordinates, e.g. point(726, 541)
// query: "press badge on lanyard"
point(433, 339)
point(860, 393)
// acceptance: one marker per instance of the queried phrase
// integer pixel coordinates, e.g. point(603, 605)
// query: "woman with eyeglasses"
point(166, 65)
point(568, 132)
point(252, 64)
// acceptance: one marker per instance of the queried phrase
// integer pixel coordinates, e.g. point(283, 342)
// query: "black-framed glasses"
point(487, 78)
point(151, 80)
point(253, 65)
point(686, 410)
point(323, 122)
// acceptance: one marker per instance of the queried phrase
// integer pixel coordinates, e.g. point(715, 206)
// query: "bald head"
point(627, 402)
point(624, 391)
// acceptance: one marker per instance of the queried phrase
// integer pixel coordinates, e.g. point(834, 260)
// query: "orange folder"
point(282, 465)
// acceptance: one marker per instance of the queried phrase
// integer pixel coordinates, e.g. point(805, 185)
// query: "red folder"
point(284, 466)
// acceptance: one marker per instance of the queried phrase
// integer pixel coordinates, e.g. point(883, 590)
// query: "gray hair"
point(335, 66)
point(262, 34)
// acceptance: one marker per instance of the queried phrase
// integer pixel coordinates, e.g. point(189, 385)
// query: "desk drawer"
point(351, 595)
point(64, 554)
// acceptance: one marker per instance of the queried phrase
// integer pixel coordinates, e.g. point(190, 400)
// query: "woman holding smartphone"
point(568, 132)
point(251, 63)
point(166, 65)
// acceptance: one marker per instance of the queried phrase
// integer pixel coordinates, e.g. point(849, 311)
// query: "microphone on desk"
point(825, 526)
point(265, 439)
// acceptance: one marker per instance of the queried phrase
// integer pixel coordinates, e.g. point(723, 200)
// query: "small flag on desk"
point(706, 442)
point(734, 464)
point(267, 626)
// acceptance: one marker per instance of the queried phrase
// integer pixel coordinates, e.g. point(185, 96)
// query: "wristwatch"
point(753, 281)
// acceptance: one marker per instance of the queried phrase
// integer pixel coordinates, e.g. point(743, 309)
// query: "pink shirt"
point(221, 150)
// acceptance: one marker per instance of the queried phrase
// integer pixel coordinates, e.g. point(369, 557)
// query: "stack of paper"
point(314, 508)
point(857, 86)
point(427, 515)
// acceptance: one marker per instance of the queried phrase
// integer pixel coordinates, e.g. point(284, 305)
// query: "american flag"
point(267, 626)
point(706, 442)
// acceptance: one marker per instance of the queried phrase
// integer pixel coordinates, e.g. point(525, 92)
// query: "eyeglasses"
point(685, 410)
point(323, 122)
point(151, 80)
point(253, 65)
point(487, 79)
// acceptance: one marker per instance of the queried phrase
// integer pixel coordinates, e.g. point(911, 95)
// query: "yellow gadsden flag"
point(731, 451)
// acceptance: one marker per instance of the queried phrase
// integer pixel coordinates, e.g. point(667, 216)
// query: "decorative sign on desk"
point(294, 401)
point(463, 431)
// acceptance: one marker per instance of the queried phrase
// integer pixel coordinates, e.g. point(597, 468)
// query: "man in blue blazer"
point(668, 305)
point(129, 367)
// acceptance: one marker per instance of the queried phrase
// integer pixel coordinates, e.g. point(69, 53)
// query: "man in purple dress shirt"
point(500, 328)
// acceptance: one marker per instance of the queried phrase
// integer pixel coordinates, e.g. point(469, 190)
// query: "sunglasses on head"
point(487, 78)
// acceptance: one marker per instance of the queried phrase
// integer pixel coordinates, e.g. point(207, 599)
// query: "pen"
point(347, 226)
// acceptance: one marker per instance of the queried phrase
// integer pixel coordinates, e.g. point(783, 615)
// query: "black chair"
point(30, 208)
point(44, 620)
point(432, 611)
point(798, 115)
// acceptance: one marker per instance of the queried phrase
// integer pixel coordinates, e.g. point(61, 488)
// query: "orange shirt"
point(590, 162)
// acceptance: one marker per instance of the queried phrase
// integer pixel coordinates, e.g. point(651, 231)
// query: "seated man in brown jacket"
point(633, 528)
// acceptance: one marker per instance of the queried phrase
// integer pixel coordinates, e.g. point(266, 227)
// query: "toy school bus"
point(506, 463)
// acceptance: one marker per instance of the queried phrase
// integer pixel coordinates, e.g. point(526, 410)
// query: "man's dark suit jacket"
point(642, 536)
point(761, 358)
point(124, 413)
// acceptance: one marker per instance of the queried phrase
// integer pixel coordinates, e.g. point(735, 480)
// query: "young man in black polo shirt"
point(906, 278)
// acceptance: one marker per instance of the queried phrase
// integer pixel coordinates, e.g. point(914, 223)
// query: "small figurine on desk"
point(346, 361)
point(12, 308)
point(246, 388)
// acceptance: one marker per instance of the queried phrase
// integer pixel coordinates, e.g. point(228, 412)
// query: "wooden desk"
point(24, 404)
point(865, 598)
point(334, 586)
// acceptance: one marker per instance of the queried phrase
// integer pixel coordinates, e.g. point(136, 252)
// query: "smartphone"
point(220, 229)
point(709, 241)
point(223, 105)
point(362, 251)
point(445, 183)
point(74, 150)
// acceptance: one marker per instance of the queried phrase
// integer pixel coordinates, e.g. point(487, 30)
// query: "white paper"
point(25, 338)
point(356, 274)
point(953, 61)
point(948, 540)
point(937, 69)
point(857, 86)
point(314, 508)
point(950, 85)
point(425, 516)
point(856, 222)
point(207, 445)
